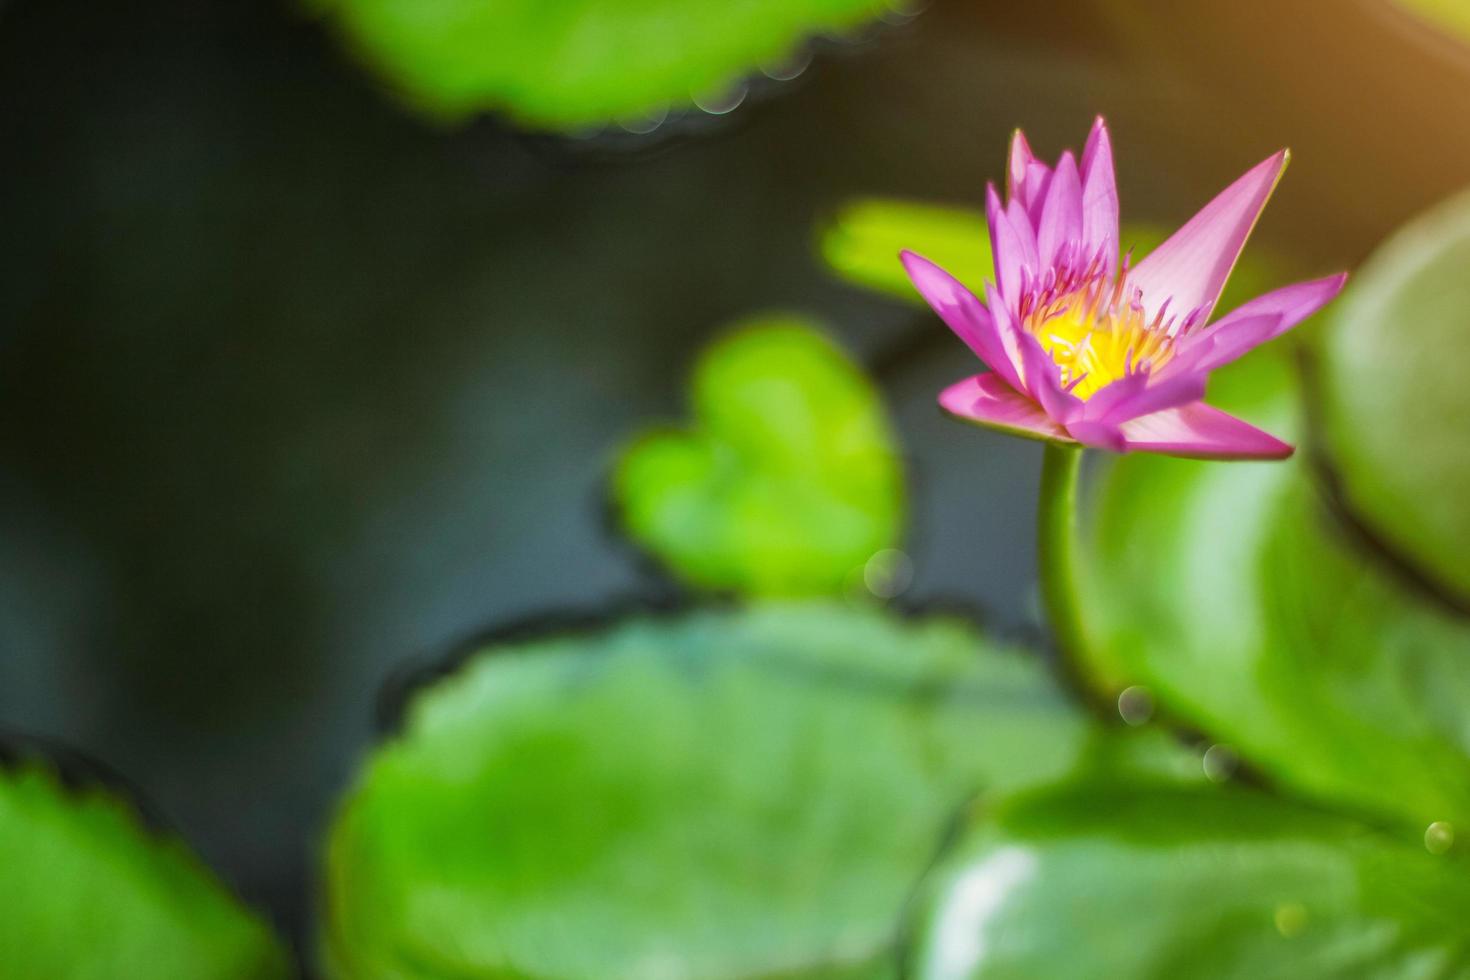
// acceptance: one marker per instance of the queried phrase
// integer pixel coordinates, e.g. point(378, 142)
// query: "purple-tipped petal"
point(1100, 421)
point(1099, 140)
point(1251, 324)
point(1190, 269)
point(1100, 197)
point(1008, 249)
point(963, 312)
point(1098, 435)
point(1061, 213)
point(1027, 178)
point(1042, 380)
point(1017, 166)
point(1109, 396)
point(1202, 354)
point(1294, 303)
point(1143, 394)
point(1201, 432)
point(1007, 329)
point(987, 400)
point(1034, 191)
point(1025, 235)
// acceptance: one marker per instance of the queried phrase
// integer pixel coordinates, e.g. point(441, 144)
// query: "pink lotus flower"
point(1083, 350)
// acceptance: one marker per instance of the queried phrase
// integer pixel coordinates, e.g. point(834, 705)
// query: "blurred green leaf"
point(1227, 591)
point(1395, 405)
point(579, 62)
point(720, 795)
point(1145, 879)
point(87, 894)
point(861, 244)
point(788, 482)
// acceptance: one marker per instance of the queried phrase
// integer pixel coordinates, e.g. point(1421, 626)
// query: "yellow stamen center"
point(1098, 343)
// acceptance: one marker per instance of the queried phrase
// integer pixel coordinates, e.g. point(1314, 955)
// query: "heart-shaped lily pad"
point(1153, 880)
point(789, 480)
point(1395, 405)
point(86, 893)
point(742, 794)
point(578, 62)
point(1230, 593)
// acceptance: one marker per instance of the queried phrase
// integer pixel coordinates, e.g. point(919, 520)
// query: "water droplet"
point(719, 103)
point(855, 590)
point(1291, 919)
point(643, 125)
point(888, 573)
point(1136, 705)
point(784, 71)
point(1439, 837)
point(589, 132)
point(1220, 762)
point(902, 11)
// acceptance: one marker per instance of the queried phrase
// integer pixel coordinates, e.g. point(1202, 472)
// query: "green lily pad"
point(578, 62)
point(789, 479)
point(718, 795)
point(1154, 881)
point(1229, 593)
point(861, 243)
point(1395, 406)
point(86, 893)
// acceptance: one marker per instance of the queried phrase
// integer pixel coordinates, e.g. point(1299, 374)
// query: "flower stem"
point(1056, 555)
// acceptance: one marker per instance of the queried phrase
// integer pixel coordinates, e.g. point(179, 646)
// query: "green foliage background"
point(568, 64)
point(87, 893)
